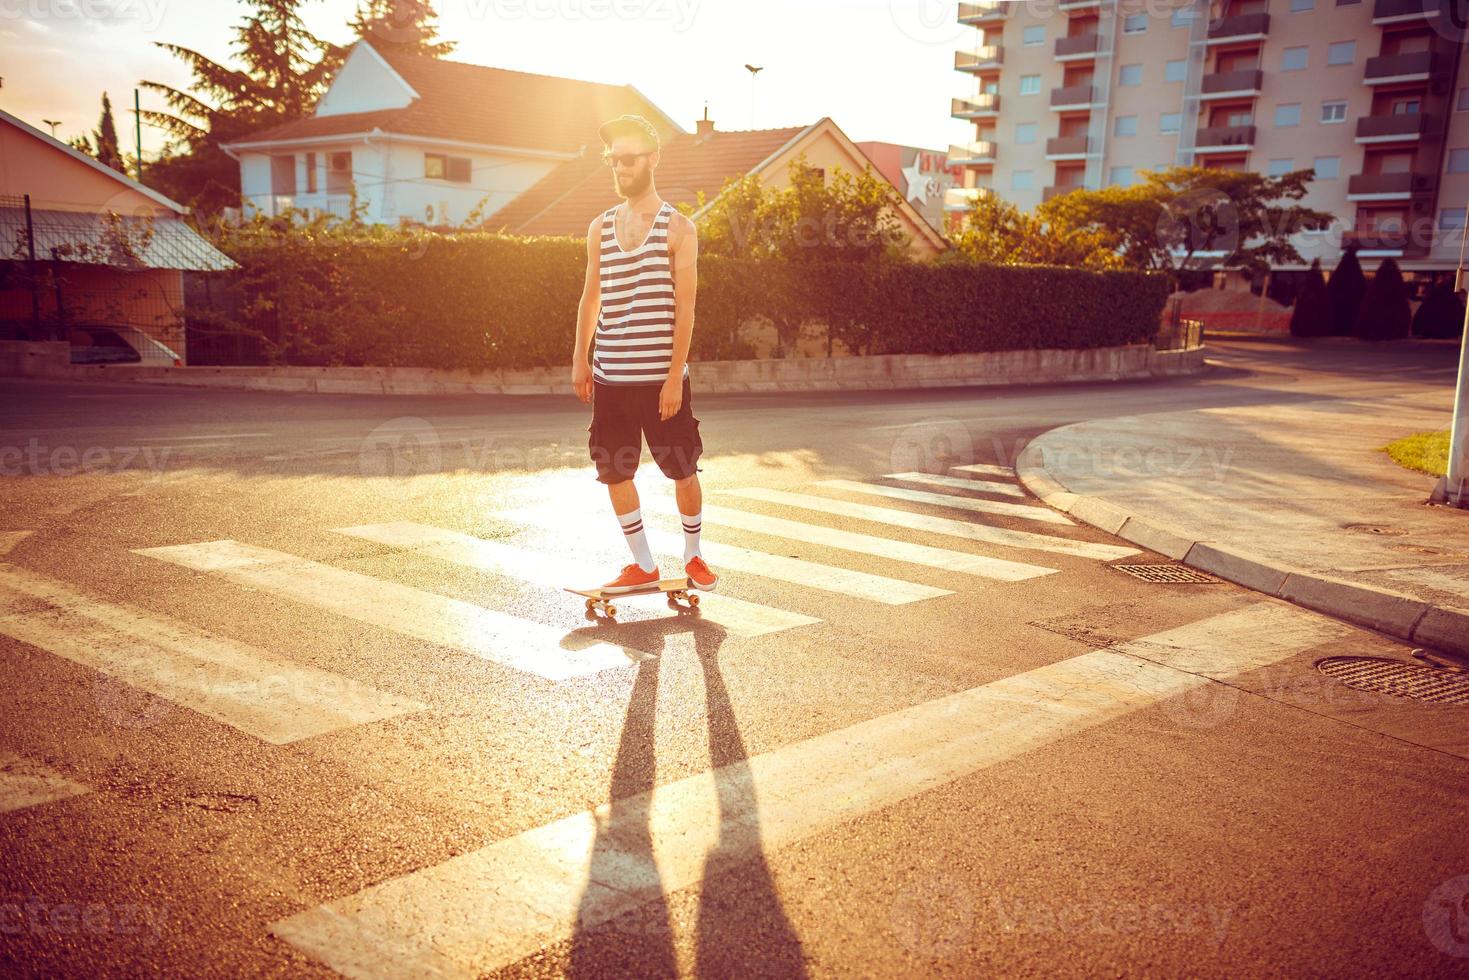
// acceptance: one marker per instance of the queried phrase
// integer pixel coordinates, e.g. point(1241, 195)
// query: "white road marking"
point(985, 469)
point(233, 683)
point(938, 525)
point(736, 615)
point(217, 435)
point(495, 636)
point(490, 908)
point(1029, 512)
point(961, 483)
point(25, 783)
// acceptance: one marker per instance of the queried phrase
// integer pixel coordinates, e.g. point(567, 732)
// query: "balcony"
point(1393, 128)
point(1395, 241)
point(964, 198)
point(980, 153)
point(1079, 47)
point(1416, 66)
point(1388, 187)
point(1232, 84)
point(1401, 11)
point(1241, 27)
point(979, 14)
point(1073, 97)
point(987, 58)
point(1225, 139)
point(982, 106)
point(1066, 147)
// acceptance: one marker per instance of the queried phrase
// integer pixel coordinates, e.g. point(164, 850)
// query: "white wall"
point(364, 84)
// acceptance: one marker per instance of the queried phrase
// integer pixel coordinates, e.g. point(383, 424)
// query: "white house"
point(427, 141)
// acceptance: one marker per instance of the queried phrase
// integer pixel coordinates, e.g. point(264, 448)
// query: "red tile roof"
point(565, 200)
point(491, 106)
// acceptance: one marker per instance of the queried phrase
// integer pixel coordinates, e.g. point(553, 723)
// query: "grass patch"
point(1426, 452)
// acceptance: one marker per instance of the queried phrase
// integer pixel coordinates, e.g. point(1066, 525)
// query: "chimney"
point(705, 126)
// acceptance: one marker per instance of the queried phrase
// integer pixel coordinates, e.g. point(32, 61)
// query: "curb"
point(1443, 628)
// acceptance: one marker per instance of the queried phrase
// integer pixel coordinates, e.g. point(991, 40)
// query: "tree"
point(1441, 315)
point(401, 27)
point(1171, 216)
point(1346, 287)
point(996, 231)
point(285, 70)
point(1386, 313)
point(104, 139)
point(1311, 316)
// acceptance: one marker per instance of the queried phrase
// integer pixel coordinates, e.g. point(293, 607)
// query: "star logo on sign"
point(918, 184)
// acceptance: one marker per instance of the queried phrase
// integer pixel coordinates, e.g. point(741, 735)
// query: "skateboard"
point(675, 588)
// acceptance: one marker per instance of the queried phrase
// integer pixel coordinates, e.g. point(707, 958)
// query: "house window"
point(1288, 115)
point(1120, 176)
point(1125, 126)
point(437, 166)
point(311, 173)
point(1341, 53)
point(1333, 112)
point(1034, 34)
point(1135, 24)
point(1294, 59)
point(1301, 6)
point(1025, 132)
point(339, 173)
point(1459, 161)
point(1030, 84)
point(1279, 166)
point(283, 176)
point(1175, 71)
point(1327, 168)
point(1022, 180)
point(1129, 76)
point(1170, 122)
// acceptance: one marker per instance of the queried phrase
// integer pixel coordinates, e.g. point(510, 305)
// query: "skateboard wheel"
point(693, 600)
point(611, 610)
point(591, 603)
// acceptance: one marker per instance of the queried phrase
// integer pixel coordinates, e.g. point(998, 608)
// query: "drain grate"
point(1414, 681)
point(1168, 574)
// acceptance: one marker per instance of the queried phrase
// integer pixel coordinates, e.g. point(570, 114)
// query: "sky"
point(882, 69)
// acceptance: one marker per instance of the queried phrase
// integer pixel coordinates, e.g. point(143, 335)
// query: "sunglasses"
point(625, 159)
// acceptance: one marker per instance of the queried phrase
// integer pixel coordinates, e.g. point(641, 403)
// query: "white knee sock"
point(637, 538)
point(692, 524)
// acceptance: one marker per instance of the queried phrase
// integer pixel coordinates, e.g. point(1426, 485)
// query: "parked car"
point(116, 344)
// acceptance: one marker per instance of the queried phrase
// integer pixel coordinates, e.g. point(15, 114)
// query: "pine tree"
point(1346, 287)
point(108, 152)
point(1441, 315)
point(1386, 313)
point(1312, 314)
point(401, 27)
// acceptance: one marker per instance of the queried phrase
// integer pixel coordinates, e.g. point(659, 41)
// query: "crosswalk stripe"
point(736, 615)
point(233, 683)
point(24, 783)
point(982, 566)
point(487, 909)
point(495, 636)
point(1029, 512)
point(985, 469)
point(798, 571)
point(961, 483)
point(937, 525)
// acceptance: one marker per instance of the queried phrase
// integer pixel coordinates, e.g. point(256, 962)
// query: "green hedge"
point(488, 301)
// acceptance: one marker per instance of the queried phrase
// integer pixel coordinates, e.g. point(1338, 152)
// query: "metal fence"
point(1178, 332)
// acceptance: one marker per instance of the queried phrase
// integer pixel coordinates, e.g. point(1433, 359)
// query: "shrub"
point(1311, 316)
point(1441, 315)
point(1346, 287)
point(1386, 313)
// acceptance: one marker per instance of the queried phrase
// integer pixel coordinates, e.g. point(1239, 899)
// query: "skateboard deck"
point(675, 588)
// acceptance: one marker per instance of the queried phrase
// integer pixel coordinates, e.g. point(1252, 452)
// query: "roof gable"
point(73, 178)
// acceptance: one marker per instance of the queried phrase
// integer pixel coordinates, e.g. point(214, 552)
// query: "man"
point(642, 274)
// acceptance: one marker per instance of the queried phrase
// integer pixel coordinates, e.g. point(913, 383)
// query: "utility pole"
point(138, 130)
point(1454, 488)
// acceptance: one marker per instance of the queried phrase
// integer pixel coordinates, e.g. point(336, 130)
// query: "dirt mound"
point(1231, 309)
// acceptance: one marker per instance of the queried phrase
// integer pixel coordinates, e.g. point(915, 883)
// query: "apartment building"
point(1374, 94)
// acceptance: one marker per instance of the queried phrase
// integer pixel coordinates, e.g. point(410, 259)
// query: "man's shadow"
point(742, 928)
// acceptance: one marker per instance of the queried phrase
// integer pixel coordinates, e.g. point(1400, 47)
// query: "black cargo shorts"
point(623, 414)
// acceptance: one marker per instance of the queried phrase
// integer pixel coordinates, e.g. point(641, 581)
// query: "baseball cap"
point(629, 126)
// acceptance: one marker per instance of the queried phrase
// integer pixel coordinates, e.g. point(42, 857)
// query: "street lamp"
point(53, 123)
point(753, 72)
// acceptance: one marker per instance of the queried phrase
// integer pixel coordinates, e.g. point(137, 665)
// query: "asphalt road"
point(291, 688)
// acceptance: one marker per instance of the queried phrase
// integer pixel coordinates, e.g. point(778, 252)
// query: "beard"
point(634, 185)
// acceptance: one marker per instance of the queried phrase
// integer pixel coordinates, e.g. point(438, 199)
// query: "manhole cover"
point(1169, 574)
point(1383, 529)
point(1401, 680)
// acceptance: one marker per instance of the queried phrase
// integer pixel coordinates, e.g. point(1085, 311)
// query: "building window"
point(1129, 76)
point(1030, 84)
point(1175, 71)
point(1459, 161)
point(1277, 167)
point(1333, 112)
point(1406, 107)
point(1025, 132)
point(1170, 122)
point(1341, 53)
point(1301, 6)
point(1463, 104)
point(1125, 126)
point(1182, 17)
point(1288, 115)
point(1120, 176)
point(1451, 219)
point(1135, 24)
point(1022, 180)
point(311, 173)
point(1034, 34)
point(437, 166)
point(1327, 168)
point(1347, 3)
point(1294, 59)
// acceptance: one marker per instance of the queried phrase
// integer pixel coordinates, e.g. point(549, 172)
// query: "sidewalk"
point(1297, 501)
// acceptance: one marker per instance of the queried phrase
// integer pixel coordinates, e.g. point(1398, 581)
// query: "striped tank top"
point(634, 339)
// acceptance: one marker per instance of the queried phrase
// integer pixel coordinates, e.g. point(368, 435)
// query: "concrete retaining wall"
point(1134, 362)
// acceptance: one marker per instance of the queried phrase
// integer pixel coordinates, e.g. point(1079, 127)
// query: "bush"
point(1386, 313)
point(1441, 315)
point(1346, 287)
point(1311, 316)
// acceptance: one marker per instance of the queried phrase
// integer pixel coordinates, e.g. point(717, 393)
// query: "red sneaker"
point(699, 574)
point(631, 578)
